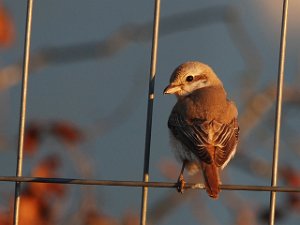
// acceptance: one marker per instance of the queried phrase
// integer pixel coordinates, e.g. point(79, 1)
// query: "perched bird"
point(203, 123)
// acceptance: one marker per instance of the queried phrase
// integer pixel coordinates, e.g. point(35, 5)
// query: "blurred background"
point(87, 103)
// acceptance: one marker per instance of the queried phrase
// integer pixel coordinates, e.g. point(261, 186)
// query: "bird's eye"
point(189, 78)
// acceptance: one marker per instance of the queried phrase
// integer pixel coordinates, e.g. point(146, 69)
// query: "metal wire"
point(23, 110)
point(278, 110)
point(143, 217)
point(119, 183)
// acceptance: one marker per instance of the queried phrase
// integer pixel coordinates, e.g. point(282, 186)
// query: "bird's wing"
point(225, 138)
point(199, 134)
point(189, 136)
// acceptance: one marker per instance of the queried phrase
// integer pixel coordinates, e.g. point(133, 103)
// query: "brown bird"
point(203, 123)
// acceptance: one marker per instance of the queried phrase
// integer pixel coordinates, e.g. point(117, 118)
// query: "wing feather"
point(226, 142)
point(189, 136)
point(199, 135)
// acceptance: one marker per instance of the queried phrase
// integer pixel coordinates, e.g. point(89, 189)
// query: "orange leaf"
point(5, 218)
point(292, 178)
point(95, 218)
point(30, 210)
point(32, 138)
point(131, 218)
point(47, 168)
point(67, 132)
point(7, 28)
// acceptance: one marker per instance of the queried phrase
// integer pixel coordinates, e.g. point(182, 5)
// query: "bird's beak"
point(172, 89)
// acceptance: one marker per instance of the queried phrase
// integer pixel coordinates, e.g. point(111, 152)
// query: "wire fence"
point(146, 183)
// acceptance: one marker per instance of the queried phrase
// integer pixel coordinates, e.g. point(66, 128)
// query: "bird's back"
point(208, 103)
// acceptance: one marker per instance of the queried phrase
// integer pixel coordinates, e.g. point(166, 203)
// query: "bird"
point(203, 124)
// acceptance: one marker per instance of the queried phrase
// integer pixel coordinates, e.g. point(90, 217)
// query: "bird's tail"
point(212, 180)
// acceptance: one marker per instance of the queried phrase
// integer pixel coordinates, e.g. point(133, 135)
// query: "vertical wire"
point(278, 110)
point(156, 19)
point(23, 110)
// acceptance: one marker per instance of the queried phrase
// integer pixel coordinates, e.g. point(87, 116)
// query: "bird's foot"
point(180, 184)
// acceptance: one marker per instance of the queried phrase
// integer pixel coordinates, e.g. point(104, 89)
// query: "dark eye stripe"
point(201, 77)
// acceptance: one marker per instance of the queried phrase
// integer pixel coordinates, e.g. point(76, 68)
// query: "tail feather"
point(212, 180)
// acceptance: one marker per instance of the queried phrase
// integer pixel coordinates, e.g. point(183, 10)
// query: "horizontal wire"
point(143, 184)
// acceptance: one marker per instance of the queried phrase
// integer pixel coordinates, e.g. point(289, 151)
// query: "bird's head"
point(191, 76)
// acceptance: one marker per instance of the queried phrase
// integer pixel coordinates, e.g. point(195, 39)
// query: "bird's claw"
point(180, 184)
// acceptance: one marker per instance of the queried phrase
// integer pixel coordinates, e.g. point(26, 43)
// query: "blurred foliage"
point(40, 203)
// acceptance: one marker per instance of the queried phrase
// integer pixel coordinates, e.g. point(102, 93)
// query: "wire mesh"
point(145, 184)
